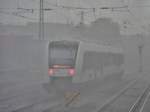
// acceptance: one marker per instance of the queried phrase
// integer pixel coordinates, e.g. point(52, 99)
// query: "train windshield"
point(62, 55)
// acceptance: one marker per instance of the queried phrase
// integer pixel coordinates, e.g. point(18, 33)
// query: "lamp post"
point(140, 51)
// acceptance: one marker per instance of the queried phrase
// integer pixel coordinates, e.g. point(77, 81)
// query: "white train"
point(75, 61)
point(98, 61)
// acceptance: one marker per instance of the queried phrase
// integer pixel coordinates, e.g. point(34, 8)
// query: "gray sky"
point(133, 19)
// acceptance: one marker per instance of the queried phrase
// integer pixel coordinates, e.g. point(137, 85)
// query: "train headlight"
point(51, 72)
point(71, 72)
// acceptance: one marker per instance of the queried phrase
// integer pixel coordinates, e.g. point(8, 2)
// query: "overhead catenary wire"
point(20, 11)
point(58, 5)
point(17, 15)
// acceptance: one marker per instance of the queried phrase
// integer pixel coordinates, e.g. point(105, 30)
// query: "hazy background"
point(118, 26)
point(131, 13)
point(24, 81)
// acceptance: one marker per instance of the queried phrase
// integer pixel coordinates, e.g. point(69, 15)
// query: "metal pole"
point(140, 50)
point(82, 18)
point(140, 58)
point(41, 21)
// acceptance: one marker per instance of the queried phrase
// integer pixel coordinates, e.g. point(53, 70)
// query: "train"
point(76, 61)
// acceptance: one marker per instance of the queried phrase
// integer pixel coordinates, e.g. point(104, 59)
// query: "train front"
point(61, 61)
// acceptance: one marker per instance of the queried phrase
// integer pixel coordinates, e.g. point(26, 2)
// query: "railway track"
point(146, 105)
point(63, 108)
point(140, 102)
point(130, 99)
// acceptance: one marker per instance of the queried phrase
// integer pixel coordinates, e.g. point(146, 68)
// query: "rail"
point(113, 98)
point(138, 105)
point(72, 98)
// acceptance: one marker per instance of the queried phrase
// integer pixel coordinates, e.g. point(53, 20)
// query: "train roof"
point(102, 48)
point(88, 46)
point(64, 42)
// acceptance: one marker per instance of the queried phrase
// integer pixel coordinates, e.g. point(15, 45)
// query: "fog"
point(18, 51)
point(26, 86)
point(106, 70)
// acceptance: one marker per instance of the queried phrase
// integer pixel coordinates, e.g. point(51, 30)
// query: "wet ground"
point(27, 91)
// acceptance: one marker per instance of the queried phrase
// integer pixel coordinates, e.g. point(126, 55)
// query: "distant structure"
point(102, 31)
